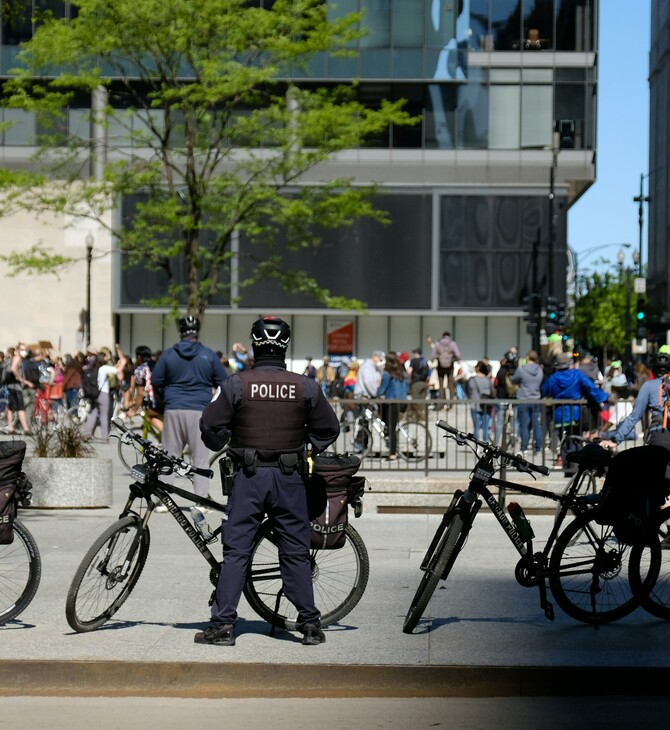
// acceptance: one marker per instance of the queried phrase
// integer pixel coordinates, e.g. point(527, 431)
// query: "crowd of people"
point(127, 381)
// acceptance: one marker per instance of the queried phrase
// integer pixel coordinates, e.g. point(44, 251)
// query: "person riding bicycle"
point(653, 398)
point(268, 413)
point(142, 389)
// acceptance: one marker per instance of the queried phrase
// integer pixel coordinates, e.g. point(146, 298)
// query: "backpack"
point(89, 384)
point(635, 488)
point(510, 387)
point(422, 371)
point(31, 372)
point(6, 375)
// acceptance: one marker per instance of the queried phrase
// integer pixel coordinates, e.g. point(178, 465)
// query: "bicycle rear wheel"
point(107, 574)
point(357, 439)
point(657, 601)
point(339, 578)
point(20, 573)
point(592, 573)
point(438, 568)
point(414, 440)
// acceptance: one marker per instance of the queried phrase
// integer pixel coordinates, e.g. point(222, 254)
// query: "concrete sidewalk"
point(483, 634)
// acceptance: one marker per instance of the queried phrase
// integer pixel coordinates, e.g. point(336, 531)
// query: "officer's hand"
point(607, 444)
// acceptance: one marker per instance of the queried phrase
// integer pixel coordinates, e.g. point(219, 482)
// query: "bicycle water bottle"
point(200, 522)
point(520, 521)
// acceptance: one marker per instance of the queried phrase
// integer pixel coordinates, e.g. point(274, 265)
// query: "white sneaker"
point(160, 508)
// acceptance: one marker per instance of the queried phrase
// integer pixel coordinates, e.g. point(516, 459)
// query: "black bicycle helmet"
point(189, 325)
point(270, 335)
point(660, 365)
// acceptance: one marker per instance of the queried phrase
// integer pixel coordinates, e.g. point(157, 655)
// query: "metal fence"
point(423, 447)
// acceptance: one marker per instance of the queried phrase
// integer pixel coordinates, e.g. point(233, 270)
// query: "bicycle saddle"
point(591, 456)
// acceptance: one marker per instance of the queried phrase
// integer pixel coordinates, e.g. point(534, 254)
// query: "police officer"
point(269, 414)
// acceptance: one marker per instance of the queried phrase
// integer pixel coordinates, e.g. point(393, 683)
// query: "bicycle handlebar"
point(516, 460)
point(179, 465)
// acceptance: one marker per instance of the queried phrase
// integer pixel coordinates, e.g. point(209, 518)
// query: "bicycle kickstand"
point(279, 595)
point(545, 603)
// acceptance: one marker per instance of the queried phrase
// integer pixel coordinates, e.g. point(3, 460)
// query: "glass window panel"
point(79, 125)
point(537, 116)
point(18, 27)
point(118, 128)
point(480, 27)
point(538, 24)
point(504, 112)
point(505, 24)
point(375, 63)
point(407, 26)
point(22, 127)
point(377, 23)
point(505, 75)
point(440, 24)
point(569, 74)
point(440, 116)
point(538, 75)
point(571, 104)
point(407, 64)
point(472, 122)
point(574, 25)
point(342, 68)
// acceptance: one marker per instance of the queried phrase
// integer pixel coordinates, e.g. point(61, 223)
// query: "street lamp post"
point(89, 256)
point(641, 199)
point(628, 273)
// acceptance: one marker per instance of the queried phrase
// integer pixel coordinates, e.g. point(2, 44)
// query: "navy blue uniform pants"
point(284, 499)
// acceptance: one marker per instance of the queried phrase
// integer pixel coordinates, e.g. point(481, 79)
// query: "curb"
point(238, 680)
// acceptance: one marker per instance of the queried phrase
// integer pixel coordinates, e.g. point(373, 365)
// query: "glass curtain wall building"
point(477, 193)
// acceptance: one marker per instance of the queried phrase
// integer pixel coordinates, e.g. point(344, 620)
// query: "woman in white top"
point(101, 411)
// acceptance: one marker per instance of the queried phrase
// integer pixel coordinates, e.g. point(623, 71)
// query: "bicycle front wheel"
point(592, 573)
point(20, 573)
point(414, 440)
point(438, 567)
point(107, 574)
point(128, 453)
point(339, 578)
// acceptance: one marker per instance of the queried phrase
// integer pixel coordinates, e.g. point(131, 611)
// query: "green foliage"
point(600, 313)
point(203, 121)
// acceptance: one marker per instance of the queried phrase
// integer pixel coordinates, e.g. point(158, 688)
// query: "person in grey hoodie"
point(186, 376)
point(529, 378)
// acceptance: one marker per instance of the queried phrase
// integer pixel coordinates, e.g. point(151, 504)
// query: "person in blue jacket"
point(569, 384)
point(186, 377)
point(394, 386)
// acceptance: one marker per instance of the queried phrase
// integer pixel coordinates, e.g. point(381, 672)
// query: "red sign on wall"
point(340, 338)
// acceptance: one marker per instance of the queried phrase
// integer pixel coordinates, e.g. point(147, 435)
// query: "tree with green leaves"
point(599, 322)
point(194, 112)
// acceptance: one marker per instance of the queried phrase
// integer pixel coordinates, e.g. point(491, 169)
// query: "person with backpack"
point(419, 374)
point(96, 383)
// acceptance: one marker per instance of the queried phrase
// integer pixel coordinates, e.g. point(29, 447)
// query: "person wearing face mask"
point(16, 382)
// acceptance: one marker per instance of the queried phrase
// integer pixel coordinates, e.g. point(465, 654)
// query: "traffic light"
point(531, 313)
point(551, 317)
point(640, 319)
point(562, 318)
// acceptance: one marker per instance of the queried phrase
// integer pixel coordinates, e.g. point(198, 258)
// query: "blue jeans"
point(481, 423)
point(528, 415)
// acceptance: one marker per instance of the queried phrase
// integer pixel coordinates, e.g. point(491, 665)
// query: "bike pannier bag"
point(7, 513)
point(11, 460)
point(328, 498)
point(634, 491)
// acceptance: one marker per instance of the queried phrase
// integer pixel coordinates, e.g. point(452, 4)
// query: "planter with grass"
point(66, 471)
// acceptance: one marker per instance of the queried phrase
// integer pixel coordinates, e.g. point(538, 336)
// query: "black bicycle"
point(113, 565)
point(593, 576)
